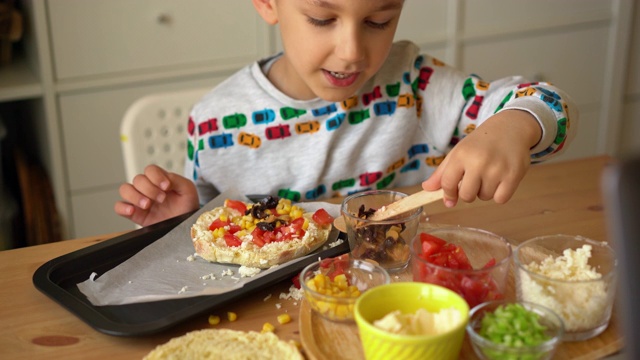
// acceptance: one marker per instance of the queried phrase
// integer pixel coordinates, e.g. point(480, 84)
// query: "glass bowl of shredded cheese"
point(331, 286)
point(411, 320)
point(515, 330)
point(573, 276)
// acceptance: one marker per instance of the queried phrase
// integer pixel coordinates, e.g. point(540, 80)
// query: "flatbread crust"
point(249, 254)
point(225, 344)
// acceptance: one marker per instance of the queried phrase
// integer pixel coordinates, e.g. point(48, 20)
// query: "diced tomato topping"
point(430, 244)
point(261, 237)
point(236, 205)
point(335, 266)
point(490, 263)
point(291, 231)
point(231, 227)
point(458, 255)
point(475, 287)
point(232, 240)
point(326, 262)
point(322, 217)
point(297, 224)
point(217, 223)
point(339, 265)
point(258, 241)
point(296, 281)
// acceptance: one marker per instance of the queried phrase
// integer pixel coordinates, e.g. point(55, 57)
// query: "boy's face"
point(332, 47)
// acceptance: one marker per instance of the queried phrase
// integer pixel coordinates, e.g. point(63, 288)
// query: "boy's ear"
point(267, 9)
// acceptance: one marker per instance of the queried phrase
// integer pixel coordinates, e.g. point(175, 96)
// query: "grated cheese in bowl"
point(568, 285)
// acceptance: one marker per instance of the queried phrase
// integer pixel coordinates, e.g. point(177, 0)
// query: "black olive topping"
point(266, 226)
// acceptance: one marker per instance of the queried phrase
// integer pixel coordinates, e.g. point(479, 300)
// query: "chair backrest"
point(153, 131)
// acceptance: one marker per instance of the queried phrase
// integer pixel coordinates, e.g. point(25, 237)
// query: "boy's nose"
point(350, 45)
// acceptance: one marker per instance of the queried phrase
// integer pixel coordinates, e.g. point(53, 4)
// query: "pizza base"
point(225, 344)
point(249, 254)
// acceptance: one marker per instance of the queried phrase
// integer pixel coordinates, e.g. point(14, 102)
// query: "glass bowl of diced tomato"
point(472, 262)
point(332, 285)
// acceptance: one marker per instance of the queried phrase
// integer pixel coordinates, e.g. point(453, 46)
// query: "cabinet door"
point(91, 129)
point(93, 214)
point(565, 59)
point(101, 37)
point(488, 17)
point(423, 22)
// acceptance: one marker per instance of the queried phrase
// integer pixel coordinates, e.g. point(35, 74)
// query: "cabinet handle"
point(165, 19)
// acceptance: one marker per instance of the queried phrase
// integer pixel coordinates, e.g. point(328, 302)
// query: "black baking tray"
point(58, 277)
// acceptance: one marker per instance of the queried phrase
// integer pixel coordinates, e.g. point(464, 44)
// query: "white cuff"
point(543, 114)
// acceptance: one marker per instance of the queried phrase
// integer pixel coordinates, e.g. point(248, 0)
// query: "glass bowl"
point(385, 242)
point(551, 328)
point(472, 262)
point(331, 286)
point(571, 275)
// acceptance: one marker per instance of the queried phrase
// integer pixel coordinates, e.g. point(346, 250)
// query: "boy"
point(344, 109)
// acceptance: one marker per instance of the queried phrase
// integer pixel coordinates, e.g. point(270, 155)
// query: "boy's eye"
point(325, 22)
point(377, 25)
point(319, 22)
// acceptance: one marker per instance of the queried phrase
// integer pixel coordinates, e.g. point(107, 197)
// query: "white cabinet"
point(85, 61)
point(575, 44)
point(96, 37)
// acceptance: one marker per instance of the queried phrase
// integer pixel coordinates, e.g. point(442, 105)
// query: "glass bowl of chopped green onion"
point(515, 330)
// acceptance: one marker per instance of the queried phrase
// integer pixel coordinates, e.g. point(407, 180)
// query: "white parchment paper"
point(169, 268)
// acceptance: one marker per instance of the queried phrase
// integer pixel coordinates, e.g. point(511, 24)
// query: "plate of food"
point(61, 278)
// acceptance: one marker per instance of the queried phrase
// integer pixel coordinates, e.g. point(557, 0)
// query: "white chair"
point(154, 131)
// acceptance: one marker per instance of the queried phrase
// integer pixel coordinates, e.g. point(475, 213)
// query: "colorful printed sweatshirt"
point(246, 134)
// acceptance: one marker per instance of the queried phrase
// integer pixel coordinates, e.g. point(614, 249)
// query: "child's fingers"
point(124, 209)
point(446, 177)
point(158, 176)
point(487, 190)
point(469, 188)
point(178, 183)
point(149, 189)
point(133, 196)
point(505, 191)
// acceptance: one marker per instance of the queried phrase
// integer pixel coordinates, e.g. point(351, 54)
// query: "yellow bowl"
point(408, 297)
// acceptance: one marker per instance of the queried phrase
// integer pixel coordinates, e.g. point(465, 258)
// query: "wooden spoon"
point(403, 205)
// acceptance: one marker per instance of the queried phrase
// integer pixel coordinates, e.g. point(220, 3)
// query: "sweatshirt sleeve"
point(554, 110)
point(456, 103)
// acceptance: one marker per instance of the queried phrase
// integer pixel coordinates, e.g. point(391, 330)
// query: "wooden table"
point(561, 197)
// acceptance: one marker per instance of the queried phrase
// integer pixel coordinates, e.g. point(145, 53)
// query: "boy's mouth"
point(341, 79)
point(339, 75)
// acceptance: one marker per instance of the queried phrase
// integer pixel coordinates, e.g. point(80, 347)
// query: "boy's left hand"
point(490, 162)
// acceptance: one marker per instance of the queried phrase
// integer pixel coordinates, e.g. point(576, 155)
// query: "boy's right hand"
point(156, 195)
